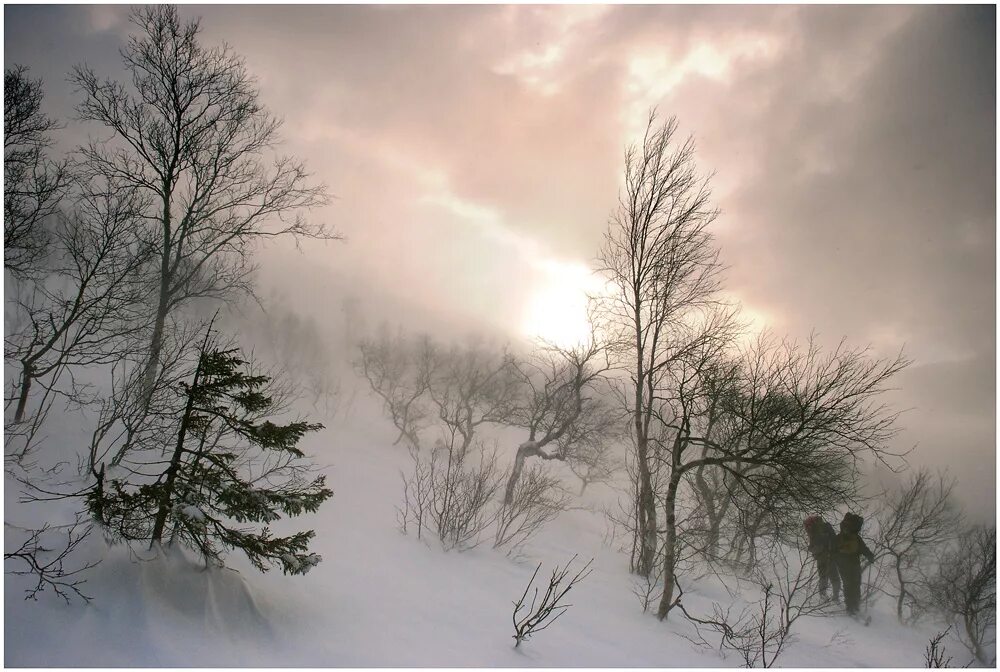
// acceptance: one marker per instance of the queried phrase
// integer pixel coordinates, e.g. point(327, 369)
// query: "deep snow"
point(380, 598)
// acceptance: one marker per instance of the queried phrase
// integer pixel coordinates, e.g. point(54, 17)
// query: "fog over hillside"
point(332, 330)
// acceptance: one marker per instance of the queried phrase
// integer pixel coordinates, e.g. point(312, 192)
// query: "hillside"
point(380, 598)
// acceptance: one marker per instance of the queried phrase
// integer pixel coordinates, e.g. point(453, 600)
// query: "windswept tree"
point(739, 505)
point(965, 590)
point(423, 386)
point(399, 372)
point(557, 395)
point(765, 413)
point(440, 399)
point(84, 311)
point(563, 409)
point(188, 130)
point(916, 520)
point(789, 410)
point(33, 185)
point(660, 258)
point(443, 400)
point(469, 387)
point(229, 473)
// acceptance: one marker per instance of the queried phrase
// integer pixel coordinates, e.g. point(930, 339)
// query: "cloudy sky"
point(475, 154)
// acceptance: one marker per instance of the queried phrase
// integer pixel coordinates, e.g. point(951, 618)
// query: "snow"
point(380, 598)
point(192, 512)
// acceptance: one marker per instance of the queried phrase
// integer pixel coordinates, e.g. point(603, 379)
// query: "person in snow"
point(849, 549)
point(822, 542)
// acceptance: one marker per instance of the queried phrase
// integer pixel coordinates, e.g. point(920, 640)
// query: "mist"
point(472, 162)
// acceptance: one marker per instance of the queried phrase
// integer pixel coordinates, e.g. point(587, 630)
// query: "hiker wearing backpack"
point(849, 549)
point(822, 544)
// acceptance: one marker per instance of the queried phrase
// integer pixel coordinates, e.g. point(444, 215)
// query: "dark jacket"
point(822, 539)
point(849, 544)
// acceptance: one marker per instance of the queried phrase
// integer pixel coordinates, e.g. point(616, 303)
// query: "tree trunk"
point(713, 513)
point(646, 505)
point(163, 506)
point(27, 375)
point(753, 532)
point(646, 522)
point(712, 546)
point(977, 648)
point(902, 590)
point(524, 451)
point(670, 543)
point(156, 341)
point(155, 345)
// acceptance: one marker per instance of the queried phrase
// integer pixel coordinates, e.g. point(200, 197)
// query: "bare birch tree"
point(190, 132)
point(965, 589)
point(660, 258)
point(562, 408)
point(33, 184)
point(399, 372)
point(916, 520)
point(470, 387)
point(789, 410)
point(82, 311)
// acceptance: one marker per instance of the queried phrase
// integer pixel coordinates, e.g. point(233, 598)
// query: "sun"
point(556, 310)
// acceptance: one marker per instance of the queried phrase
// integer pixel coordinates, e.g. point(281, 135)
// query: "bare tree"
point(659, 256)
point(132, 417)
point(418, 494)
point(541, 614)
point(399, 372)
point(467, 388)
point(537, 500)
point(762, 631)
point(189, 131)
point(83, 311)
point(599, 466)
point(790, 410)
point(450, 494)
point(934, 652)
point(33, 184)
point(470, 387)
point(965, 589)
point(450, 394)
point(765, 634)
point(43, 553)
point(454, 393)
point(917, 519)
point(713, 493)
point(561, 408)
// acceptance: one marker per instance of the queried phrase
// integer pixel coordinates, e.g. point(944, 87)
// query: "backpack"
point(822, 537)
point(852, 523)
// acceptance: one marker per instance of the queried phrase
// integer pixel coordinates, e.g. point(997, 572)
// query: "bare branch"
point(543, 613)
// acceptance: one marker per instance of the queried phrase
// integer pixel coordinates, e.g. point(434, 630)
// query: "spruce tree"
point(228, 475)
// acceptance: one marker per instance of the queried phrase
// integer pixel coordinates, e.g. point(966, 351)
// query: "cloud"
point(853, 150)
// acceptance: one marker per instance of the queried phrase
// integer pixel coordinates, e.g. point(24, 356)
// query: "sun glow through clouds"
point(557, 309)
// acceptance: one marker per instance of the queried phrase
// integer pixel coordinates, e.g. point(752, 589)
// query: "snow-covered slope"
point(380, 598)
